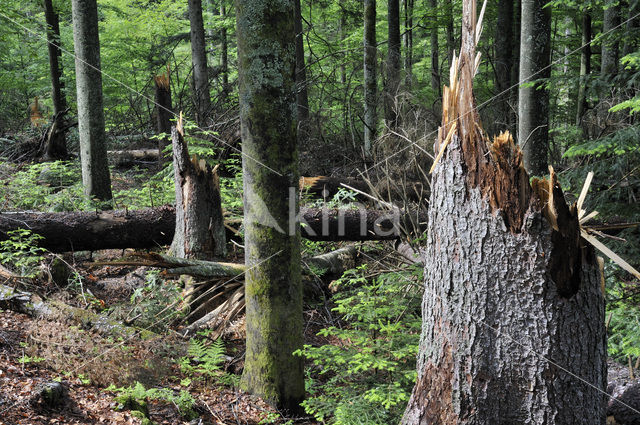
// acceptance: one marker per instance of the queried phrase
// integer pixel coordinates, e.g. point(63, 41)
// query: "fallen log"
point(154, 227)
point(126, 157)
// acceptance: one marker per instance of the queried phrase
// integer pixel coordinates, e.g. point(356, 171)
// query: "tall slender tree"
point(224, 52)
point(273, 288)
point(393, 64)
point(302, 97)
point(449, 29)
point(202, 97)
point(610, 42)
point(370, 76)
point(435, 61)
point(585, 64)
point(533, 97)
point(93, 151)
point(56, 144)
point(408, 42)
point(504, 62)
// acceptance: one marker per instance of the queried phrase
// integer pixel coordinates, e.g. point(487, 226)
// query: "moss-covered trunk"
point(273, 290)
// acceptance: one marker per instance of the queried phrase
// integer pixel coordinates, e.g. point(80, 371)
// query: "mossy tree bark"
point(533, 102)
point(513, 314)
point(199, 231)
point(273, 289)
point(93, 151)
point(56, 146)
point(370, 76)
point(202, 97)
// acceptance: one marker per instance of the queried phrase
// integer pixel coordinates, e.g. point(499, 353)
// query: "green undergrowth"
point(366, 374)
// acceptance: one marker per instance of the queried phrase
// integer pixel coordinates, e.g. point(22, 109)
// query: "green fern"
point(203, 358)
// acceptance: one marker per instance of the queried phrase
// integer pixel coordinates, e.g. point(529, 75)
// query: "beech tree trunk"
point(391, 104)
point(56, 146)
point(513, 314)
point(93, 151)
point(273, 288)
point(202, 97)
point(533, 102)
point(199, 231)
point(370, 77)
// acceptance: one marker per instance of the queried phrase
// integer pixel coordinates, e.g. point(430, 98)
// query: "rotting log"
point(127, 157)
point(34, 306)
point(154, 227)
point(513, 328)
point(199, 231)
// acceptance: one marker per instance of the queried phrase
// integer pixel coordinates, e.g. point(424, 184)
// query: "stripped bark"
point(513, 310)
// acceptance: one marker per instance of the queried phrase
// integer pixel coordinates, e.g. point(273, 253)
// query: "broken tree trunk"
point(154, 227)
point(164, 111)
point(199, 231)
point(513, 315)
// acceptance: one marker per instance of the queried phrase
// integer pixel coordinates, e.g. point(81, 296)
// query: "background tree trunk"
point(631, 37)
point(610, 42)
point(202, 97)
point(533, 100)
point(585, 66)
point(200, 231)
point(435, 61)
point(370, 77)
point(273, 289)
point(450, 31)
point(93, 151)
point(512, 308)
point(503, 63)
point(302, 98)
point(224, 54)
point(408, 43)
point(391, 105)
point(56, 147)
point(164, 110)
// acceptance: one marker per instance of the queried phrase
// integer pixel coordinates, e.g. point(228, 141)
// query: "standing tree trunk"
point(435, 61)
point(450, 31)
point(504, 63)
point(611, 42)
point(164, 111)
point(515, 69)
point(93, 151)
point(408, 43)
point(273, 288)
point(631, 37)
point(391, 105)
point(513, 314)
point(224, 53)
point(56, 146)
point(585, 65)
point(533, 101)
point(202, 98)
point(370, 78)
point(302, 98)
point(200, 231)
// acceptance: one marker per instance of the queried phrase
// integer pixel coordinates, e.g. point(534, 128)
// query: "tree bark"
point(585, 65)
point(56, 147)
point(631, 38)
point(302, 98)
point(224, 53)
point(408, 43)
point(610, 42)
point(435, 61)
point(199, 231)
point(164, 110)
point(370, 77)
point(154, 227)
point(533, 102)
point(202, 97)
point(504, 63)
point(513, 313)
point(391, 105)
point(450, 31)
point(93, 151)
point(273, 288)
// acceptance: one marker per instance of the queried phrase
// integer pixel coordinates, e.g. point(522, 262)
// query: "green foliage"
point(154, 303)
point(21, 252)
point(367, 377)
point(27, 359)
point(202, 358)
point(136, 397)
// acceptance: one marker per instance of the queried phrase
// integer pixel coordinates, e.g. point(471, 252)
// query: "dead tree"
point(513, 324)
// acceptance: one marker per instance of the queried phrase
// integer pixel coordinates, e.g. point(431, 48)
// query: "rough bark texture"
point(164, 111)
point(435, 61)
point(370, 76)
point(202, 97)
point(533, 102)
point(393, 65)
point(200, 231)
point(80, 231)
point(585, 66)
point(93, 151)
point(504, 63)
point(56, 147)
point(611, 42)
point(154, 227)
point(512, 310)
point(302, 98)
point(273, 289)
